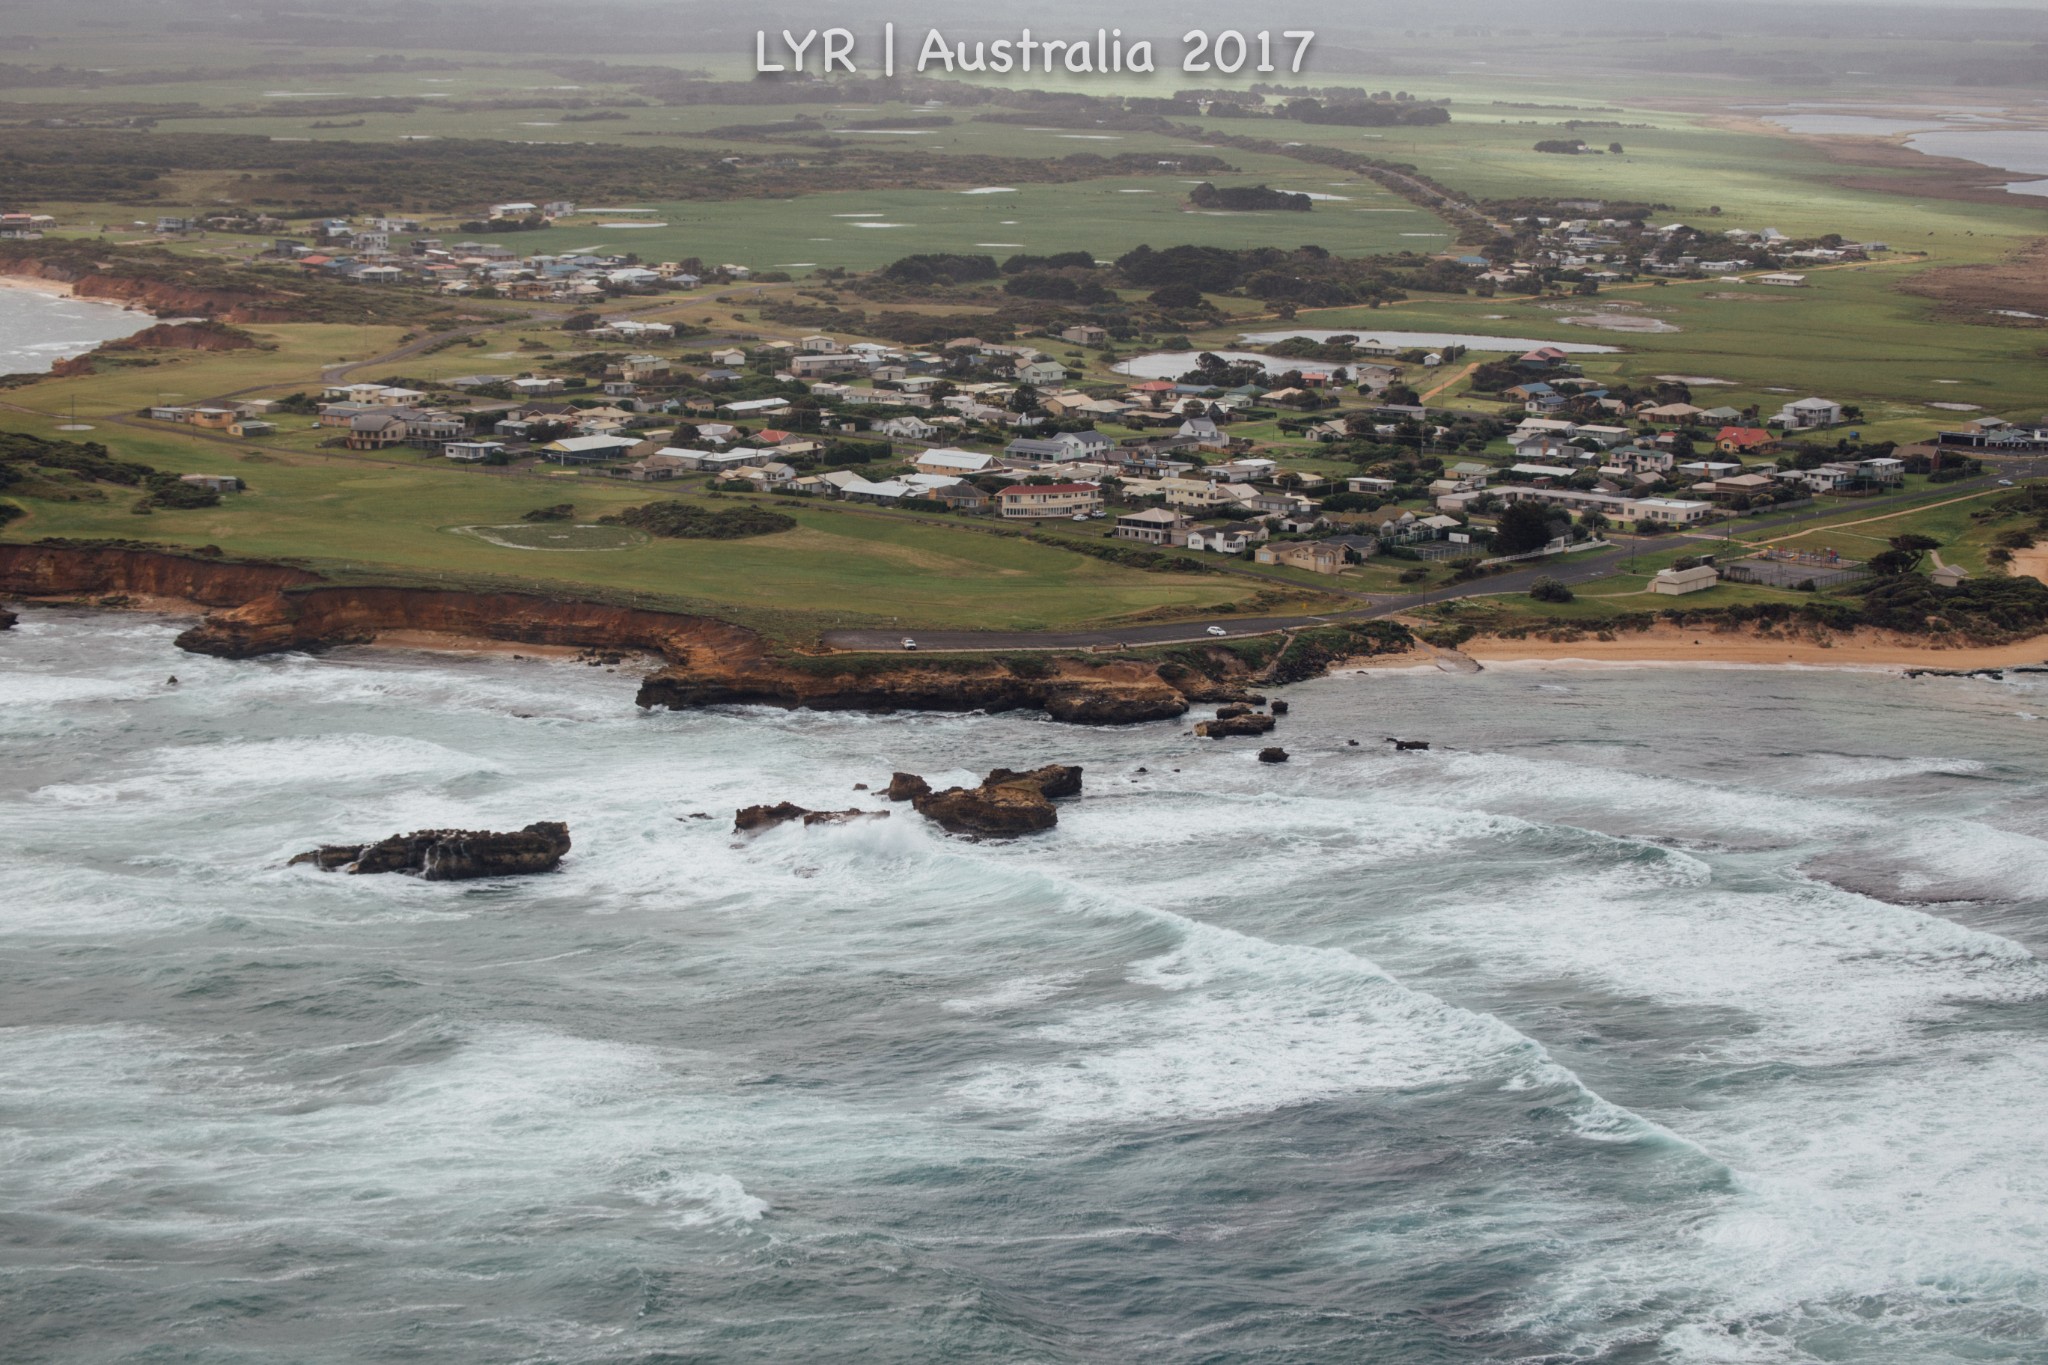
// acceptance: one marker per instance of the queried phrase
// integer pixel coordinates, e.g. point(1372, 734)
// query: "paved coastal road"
point(1577, 568)
point(1583, 567)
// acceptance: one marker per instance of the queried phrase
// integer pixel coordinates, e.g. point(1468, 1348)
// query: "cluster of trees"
point(1374, 114)
point(25, 459)
point(690, 521)
point(1248, 198)
point(1307, 275)
point(937, 267)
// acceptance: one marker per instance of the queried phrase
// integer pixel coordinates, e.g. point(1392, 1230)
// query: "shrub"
point(1549, 590)
point(686, 521)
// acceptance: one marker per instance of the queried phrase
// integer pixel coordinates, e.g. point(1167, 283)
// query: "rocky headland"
point(262, 608)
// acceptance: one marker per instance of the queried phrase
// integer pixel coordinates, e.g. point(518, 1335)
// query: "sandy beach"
point(36, 284)
point(1673, 645)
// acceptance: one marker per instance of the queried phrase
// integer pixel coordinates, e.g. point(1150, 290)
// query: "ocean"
point(1654, 1015)
point(38, 329)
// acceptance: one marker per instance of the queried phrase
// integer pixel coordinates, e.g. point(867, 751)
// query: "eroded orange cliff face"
point(271, 608)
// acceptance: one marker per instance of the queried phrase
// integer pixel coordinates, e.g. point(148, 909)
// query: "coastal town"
point(766, 686)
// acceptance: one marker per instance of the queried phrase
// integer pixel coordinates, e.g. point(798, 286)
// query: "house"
point(1742, 485)
point(769, 474)
point(1038, 372)
point(961, 497)
point(375, 431)
point(1745, 441)
point(1242, 471)
point(1282, 503)
point(1205, 433)
point(1781, 280)
point(960, 464)
point(1537, 428)
point(907, 429)
point(1664, 511)
point(213, 483)
point(1604, 436)
point(1085, 334)
point(1153, 526)
point(1544, 450)
point(1807, 414)
point(588, 449)
point(1039, 501)
point(1316, 556)
point(472, 451)
point(731, 356)
point(1232, 539)
point(1066, 445)
point(820, 345)
point(247, 427)
point(755, 407)
point(824, 366)
point(643, 367)
point(887, 491)
point(1677, 582)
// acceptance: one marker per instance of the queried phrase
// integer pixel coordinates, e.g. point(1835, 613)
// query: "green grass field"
point(1851, 335)
point(400, 514)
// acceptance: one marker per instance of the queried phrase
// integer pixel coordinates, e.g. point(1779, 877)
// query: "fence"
point(1788, 569)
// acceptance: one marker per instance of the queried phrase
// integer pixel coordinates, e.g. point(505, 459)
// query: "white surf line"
point(1543, 1067)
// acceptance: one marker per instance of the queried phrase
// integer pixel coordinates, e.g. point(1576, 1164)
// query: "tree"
point(1904, 555)
point(1614, 148)
point(1523, 527)
point(1025, 399)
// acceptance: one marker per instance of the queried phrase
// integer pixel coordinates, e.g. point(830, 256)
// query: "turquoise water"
point(1655, 1015)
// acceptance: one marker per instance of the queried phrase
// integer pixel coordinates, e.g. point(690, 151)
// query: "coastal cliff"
point(101, 570)
point(265, 608)
point(163, 298)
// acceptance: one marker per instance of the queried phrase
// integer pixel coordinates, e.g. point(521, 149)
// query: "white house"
point(1233, 539)
point(960, 464)
point(1809, 413)
point(907, 429)
point(1677, 582)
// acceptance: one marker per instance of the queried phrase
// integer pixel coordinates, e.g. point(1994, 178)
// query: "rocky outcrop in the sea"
point(7, 619)
point(1007, 802)
point(906, 787)
point(1235, 720)
point(1276, 754)
point(1079, 692)
point(448, 855)
point(754, 819)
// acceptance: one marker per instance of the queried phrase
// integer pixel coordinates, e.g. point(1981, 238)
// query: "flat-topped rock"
point(447, 855)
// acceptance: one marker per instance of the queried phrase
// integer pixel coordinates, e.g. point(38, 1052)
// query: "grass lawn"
point(361, 518)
